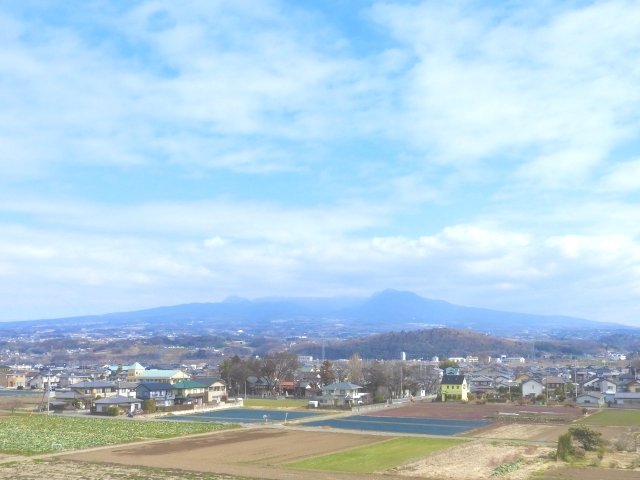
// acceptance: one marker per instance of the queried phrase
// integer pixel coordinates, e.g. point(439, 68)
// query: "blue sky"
point(157, 153)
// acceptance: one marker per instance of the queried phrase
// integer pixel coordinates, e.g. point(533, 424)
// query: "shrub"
point(224, 398)
point(98, 397)
point(20, 387)
point(584, 411)
point(601, 452)
point(589, 439)
point(578, 452)
point(149, 406)
point(378, 399)
point(471, 397)
point(541, 398)
point(561, 398)
point(564, 447)
point(113, 411)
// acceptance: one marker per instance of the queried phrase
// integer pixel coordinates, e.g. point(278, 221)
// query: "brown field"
point(71, 470)
point(537, 432)
point(248, 452)
point(470, 411)
point(589, 473)
point(477, 460)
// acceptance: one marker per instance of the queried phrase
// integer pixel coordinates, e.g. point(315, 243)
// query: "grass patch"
point(264, 402)
point(380, 456)
point(30, 435)
point(613, 418)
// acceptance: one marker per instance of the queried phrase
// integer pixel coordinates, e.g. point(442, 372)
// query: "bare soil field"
point(589, 473)
point(538, 432)
point(478, 460)
point(68, 470)
point(471, 411)
point(249, 452)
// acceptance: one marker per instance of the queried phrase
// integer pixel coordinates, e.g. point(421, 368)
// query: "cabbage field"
point(41, 433)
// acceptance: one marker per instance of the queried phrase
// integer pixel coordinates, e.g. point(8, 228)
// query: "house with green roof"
point(189, 391)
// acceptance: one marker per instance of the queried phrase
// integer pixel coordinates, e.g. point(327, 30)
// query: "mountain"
point(396, 306)
point(341, 317)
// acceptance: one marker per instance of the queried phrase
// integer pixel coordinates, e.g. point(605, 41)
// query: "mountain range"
point(342, 317)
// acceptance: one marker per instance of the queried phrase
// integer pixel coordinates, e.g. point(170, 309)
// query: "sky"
point(157, 153)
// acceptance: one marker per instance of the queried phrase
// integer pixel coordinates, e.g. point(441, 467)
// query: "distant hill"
point(441, 342)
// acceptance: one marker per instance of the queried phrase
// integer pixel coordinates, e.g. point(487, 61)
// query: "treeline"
point(442, 342)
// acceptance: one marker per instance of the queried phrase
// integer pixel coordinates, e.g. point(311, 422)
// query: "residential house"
point(162, 392)
point(595, 399)
point(632, 386)
point(342, 393)
point(131, 371)
point(68, 379)
point(215, 389)
point(189, 391)
point(126, 389)
point(480, 384)
point(551, 383)
point(532, 388)
point(43, 381)
point(628, 399)
point(12, 379)
point(454, 387)
point(287, 388)
point(93, 389)
point(126, 404)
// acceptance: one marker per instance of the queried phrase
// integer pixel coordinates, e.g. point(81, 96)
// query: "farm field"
point(263, 402)
point(35, 434)
point(53, 469)
point(539, 432)
point(256, 453)
point(471, 411)
point(613, 418)
point(12, 393)
point(238, 415)
point(479, 460)
point(422, 426)
point(380, 456)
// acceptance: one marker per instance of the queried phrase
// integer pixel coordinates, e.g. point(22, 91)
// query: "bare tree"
point(274, 368)
point(13, 403)
point(355, 369)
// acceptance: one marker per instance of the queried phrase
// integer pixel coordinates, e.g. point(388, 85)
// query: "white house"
point(343, 393)
point(532, 388)
point(595, 399)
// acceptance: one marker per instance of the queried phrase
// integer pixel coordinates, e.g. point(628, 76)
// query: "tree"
point(14, 403)
point(589, 439)
point(275, 367)
point(113, 411)
point(564, 447)
point(376, 376)
point(149, 406)
point(355, 369)
point(327, 376)
point(447, 363)
point(224, 369)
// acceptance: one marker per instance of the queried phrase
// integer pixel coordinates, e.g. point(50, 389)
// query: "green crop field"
point(380, 456)
point(613, 418)
point(264, 402)
point(41, 433)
